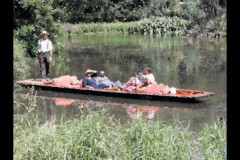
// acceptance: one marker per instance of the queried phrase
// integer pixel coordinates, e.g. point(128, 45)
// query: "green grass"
point(119, 27)
point(98, 136)
point(19, 59)
point(214, 142)
point(156, 25)
point(163, 26)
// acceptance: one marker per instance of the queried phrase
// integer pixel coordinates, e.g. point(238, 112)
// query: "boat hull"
point(182, 95)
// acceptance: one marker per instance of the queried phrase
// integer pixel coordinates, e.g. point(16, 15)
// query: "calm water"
point(177, 62)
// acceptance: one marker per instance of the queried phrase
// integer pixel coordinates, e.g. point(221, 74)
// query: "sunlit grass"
point(119, 27)
point(156, 25)
point(98, 136)
point(214, 141)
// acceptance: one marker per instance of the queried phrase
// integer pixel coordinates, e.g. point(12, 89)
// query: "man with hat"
point(88, 80)
point(44, 53)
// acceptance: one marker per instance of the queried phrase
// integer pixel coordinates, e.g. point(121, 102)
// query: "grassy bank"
point(98, 136)
point(156, 26)
point(19, 59)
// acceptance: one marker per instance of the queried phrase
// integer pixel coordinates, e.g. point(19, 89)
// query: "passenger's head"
point(88, 73)
point(102, 73)
point(147, 70)
point(44, 34)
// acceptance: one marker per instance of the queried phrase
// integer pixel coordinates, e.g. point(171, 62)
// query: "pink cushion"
point(65, 80)
point(156, 89)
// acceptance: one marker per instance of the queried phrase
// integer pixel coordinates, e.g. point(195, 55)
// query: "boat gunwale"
point(200, 95)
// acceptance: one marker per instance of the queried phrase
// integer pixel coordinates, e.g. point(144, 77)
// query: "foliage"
point(19, 58)
point(154, 25)
point(134, 10)
point(96, 135)
point(102, 27)
point(217, 24)
point(155, 16)
point(214, 141)
point(163, 25)
point(33, 16)
point(104, 10)
point(68, 26)
point(194, 13)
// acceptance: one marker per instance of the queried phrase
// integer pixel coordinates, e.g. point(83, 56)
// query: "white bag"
point(173, 90)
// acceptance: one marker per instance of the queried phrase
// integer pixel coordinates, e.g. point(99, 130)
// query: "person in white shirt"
point(148, 76)
point(142, 79)
point(44, 53)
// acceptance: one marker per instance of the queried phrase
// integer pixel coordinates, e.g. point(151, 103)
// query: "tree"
point(33, 16)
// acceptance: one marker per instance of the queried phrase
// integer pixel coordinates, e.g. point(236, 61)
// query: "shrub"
point(33, 16)
point(96, 135)
point(20, 66)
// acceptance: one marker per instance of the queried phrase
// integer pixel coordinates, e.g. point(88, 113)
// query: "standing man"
point(44, 53)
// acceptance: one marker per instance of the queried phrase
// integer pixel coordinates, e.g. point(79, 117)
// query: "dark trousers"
point(43, 58)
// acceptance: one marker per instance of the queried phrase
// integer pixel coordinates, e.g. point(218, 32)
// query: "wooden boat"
point(183, 95)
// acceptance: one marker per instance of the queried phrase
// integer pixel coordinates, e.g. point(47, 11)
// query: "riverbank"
point(163, 26)
point(94, 134)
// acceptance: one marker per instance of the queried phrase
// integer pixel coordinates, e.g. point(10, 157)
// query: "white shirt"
point(44, 45)
point(150, 78)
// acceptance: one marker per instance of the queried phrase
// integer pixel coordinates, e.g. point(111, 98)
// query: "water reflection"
point(58, 109)
point(174, 61)
point(182, 63)
point(185, 76)
point(63, 102)
point(136, 111)
point(182, 73)
point(82, 104)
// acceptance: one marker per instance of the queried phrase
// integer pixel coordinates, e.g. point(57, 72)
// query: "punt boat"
point(182, 95)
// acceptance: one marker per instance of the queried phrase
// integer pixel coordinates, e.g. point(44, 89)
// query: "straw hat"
point(44, 32)
point(90, 71)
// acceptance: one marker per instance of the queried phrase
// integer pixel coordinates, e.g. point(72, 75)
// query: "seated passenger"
point(88, 80)
point(148, 77)
point(140, 80)
point(102, 79)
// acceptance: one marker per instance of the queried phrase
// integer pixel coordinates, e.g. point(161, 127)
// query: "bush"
point(154, 25)
point(33, 16)
point(94, 135)
point(20, 66)
point(163, 25)
point(193, 12)
point(214, 141)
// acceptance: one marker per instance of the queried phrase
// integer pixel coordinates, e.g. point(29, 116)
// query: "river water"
point(190, 63)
